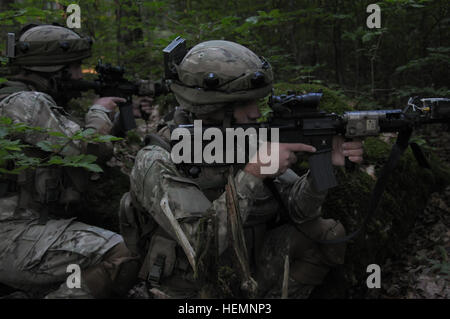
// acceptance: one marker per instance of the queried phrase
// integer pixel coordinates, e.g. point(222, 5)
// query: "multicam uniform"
point(36, 243)
point(161, 192)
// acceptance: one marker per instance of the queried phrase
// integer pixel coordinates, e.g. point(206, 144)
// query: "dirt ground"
point(423, 269)
point(420, 269)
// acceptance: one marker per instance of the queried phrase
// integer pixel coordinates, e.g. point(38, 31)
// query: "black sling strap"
point(397, 150)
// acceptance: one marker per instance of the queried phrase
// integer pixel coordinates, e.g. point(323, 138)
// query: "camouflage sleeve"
point(300, 197)
point(98, 119)
point(154, 177)
point(252, 194)
point(37, 109)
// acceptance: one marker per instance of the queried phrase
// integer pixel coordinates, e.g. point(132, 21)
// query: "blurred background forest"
point(311, 44)
point(306, 41)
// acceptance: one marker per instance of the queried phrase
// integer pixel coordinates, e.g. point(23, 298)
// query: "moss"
point(405, 196)
point(375, 150)
point(101, 200)
point(330, 102)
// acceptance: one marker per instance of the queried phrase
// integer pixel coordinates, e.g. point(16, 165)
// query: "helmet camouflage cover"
point(216, 73)
point(47, 48)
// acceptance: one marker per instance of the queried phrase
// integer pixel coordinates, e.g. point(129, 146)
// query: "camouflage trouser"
point(34, 256)
point(309, 261)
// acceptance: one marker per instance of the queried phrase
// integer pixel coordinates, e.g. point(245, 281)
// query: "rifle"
point(111, 82)
point(299, 120)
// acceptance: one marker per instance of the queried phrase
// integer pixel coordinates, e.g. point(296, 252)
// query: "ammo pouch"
point(160, 260)
point(48, 190)
point(47, 183)
point(136, 227)
point(56, 185)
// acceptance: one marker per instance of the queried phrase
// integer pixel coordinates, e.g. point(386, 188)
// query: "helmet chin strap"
point(61, 93)
point(228, 117)
point(39, 82)
point(49, 84)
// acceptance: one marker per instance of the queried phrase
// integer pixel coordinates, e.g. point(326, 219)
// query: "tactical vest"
point(160, 249)
point(48, 190)
point(11, 87)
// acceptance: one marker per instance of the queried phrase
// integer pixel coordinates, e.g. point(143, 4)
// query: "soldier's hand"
point(146, 105)
point(341, 149)
point(109, 102)
point(275, 164)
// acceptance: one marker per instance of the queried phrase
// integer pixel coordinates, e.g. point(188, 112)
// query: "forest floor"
point(422, 269)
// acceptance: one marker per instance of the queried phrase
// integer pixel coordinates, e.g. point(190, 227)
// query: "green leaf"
point(342, 16)
point(57, 134)
point(91, 167)
point(88, 158)
point(71, 160)
point(107, 138)
point(47, 146)
point(82, 135)
point(13, 171)
point(5, 120)
point(367, 37)
point(3, 132)
point(13, 148)
point(55, 160)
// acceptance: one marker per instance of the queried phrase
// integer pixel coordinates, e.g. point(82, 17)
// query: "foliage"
point(15, 156)
point(331, 101)
point(312, 45)
point(315, 42)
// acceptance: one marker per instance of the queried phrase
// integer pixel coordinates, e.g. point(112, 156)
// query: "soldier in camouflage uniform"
point(36, 244)
point(173, 217)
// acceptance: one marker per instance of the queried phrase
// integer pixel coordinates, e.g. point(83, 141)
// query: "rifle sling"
point(397, 150)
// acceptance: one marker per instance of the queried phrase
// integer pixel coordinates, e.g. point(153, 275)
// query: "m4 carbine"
point(111, 82)
point(299, 120)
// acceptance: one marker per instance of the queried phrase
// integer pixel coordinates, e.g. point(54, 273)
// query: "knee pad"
point(114, 275)
point(333, 253)
point(128, 223)
point(125, 268)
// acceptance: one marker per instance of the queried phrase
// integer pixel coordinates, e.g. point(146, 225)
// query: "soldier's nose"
point(77, 75)
point(254, 116)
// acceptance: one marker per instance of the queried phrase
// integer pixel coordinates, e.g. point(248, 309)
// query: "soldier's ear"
point(27, 27)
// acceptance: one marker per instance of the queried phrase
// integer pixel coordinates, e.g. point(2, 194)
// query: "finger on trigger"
point(118, 99)
point(356, 159)
point(300, 147)
point(352, 145)
point(355, 152)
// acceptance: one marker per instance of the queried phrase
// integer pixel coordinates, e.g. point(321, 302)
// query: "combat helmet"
point(48, 48)
point(215, 73)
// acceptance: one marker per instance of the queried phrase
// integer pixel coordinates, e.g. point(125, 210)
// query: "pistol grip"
point(322, 171)
point(126, 116)
point(349, 165)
